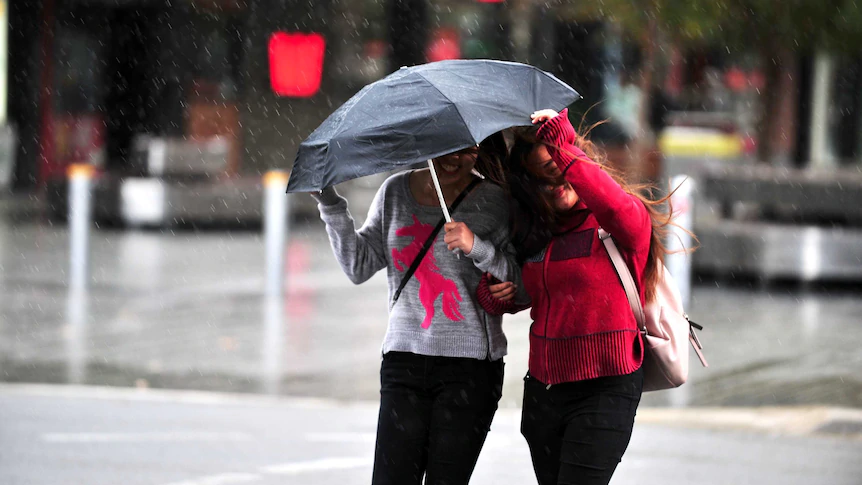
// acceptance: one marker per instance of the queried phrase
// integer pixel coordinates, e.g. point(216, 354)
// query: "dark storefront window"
point(214, 79)
point(76, 122)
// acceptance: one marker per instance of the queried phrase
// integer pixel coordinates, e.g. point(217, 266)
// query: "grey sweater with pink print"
point(437, 313)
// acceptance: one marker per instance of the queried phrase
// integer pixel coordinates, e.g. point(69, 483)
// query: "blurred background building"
point(182, 104)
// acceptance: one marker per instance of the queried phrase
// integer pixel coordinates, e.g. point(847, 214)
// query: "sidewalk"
point(185, 310)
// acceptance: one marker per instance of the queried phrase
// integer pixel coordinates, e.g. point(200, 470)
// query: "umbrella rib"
point(453, 103)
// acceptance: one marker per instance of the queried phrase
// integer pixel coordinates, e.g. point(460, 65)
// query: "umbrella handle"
point(442, 199)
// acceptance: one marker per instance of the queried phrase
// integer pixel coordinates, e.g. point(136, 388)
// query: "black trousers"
point(578, 431)
point(435, 413)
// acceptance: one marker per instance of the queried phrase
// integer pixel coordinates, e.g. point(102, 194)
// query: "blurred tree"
point(776, 30)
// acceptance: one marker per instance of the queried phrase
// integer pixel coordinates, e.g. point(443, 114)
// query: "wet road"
point(185, 310)
point(53, 435)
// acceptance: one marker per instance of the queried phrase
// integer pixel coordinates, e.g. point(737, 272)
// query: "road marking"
point(143, 437)
point(494, 440)
point(341, 437)
point(297, 468)
point(344, 463)
point(222, 479)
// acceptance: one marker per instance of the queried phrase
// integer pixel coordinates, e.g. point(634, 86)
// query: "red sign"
point(296, 63)
point(445, 44)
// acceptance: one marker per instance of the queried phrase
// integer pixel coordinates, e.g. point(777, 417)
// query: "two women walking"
point(526, 236)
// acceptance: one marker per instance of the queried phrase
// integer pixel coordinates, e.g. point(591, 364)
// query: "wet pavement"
point(186, 310)
point(59, 435)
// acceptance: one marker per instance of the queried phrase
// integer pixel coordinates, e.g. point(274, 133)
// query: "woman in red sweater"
point(585, 379)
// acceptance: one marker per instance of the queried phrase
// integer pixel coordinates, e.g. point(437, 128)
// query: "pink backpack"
point(666, 328)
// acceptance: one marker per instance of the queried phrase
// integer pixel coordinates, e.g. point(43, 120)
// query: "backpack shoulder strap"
point(625, 277)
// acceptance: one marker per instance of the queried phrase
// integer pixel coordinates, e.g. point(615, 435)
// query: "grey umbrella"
point(419, 113)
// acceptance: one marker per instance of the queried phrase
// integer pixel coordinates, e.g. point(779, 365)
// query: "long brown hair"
point(492, 154)
point(536, 220)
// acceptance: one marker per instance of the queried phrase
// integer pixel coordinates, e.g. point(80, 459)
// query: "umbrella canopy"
point(422, 112)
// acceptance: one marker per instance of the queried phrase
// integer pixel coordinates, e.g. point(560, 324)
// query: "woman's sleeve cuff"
point(482, 250)
point(558, 130)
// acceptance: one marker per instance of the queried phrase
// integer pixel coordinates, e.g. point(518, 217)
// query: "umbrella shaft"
point(439, 191)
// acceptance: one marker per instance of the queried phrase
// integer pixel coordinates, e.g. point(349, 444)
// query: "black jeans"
point(578, 431)
point(435, 413)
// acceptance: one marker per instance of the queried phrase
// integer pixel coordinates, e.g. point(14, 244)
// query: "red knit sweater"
point(583, 327)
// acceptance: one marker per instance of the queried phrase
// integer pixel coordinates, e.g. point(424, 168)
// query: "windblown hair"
point(493, 153)
point(535, 220)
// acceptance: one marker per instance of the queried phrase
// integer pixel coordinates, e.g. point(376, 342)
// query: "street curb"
point(786, 420)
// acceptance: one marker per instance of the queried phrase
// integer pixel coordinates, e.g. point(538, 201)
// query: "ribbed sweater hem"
point(445, 345)
point(554, 361)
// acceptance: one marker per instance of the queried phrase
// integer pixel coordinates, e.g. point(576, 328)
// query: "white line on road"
point(222, 479)
point(494, 440)
point(297, 468)
point(341, 437)
point(325, 464)
point(142, 437)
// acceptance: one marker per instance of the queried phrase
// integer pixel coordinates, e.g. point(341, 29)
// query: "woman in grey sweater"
point(442, 370)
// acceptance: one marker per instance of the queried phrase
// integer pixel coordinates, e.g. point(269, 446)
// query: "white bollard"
point(273, 343)
point(80, 220)
point(679, 264)
point(77, 335)
point(275, 229)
